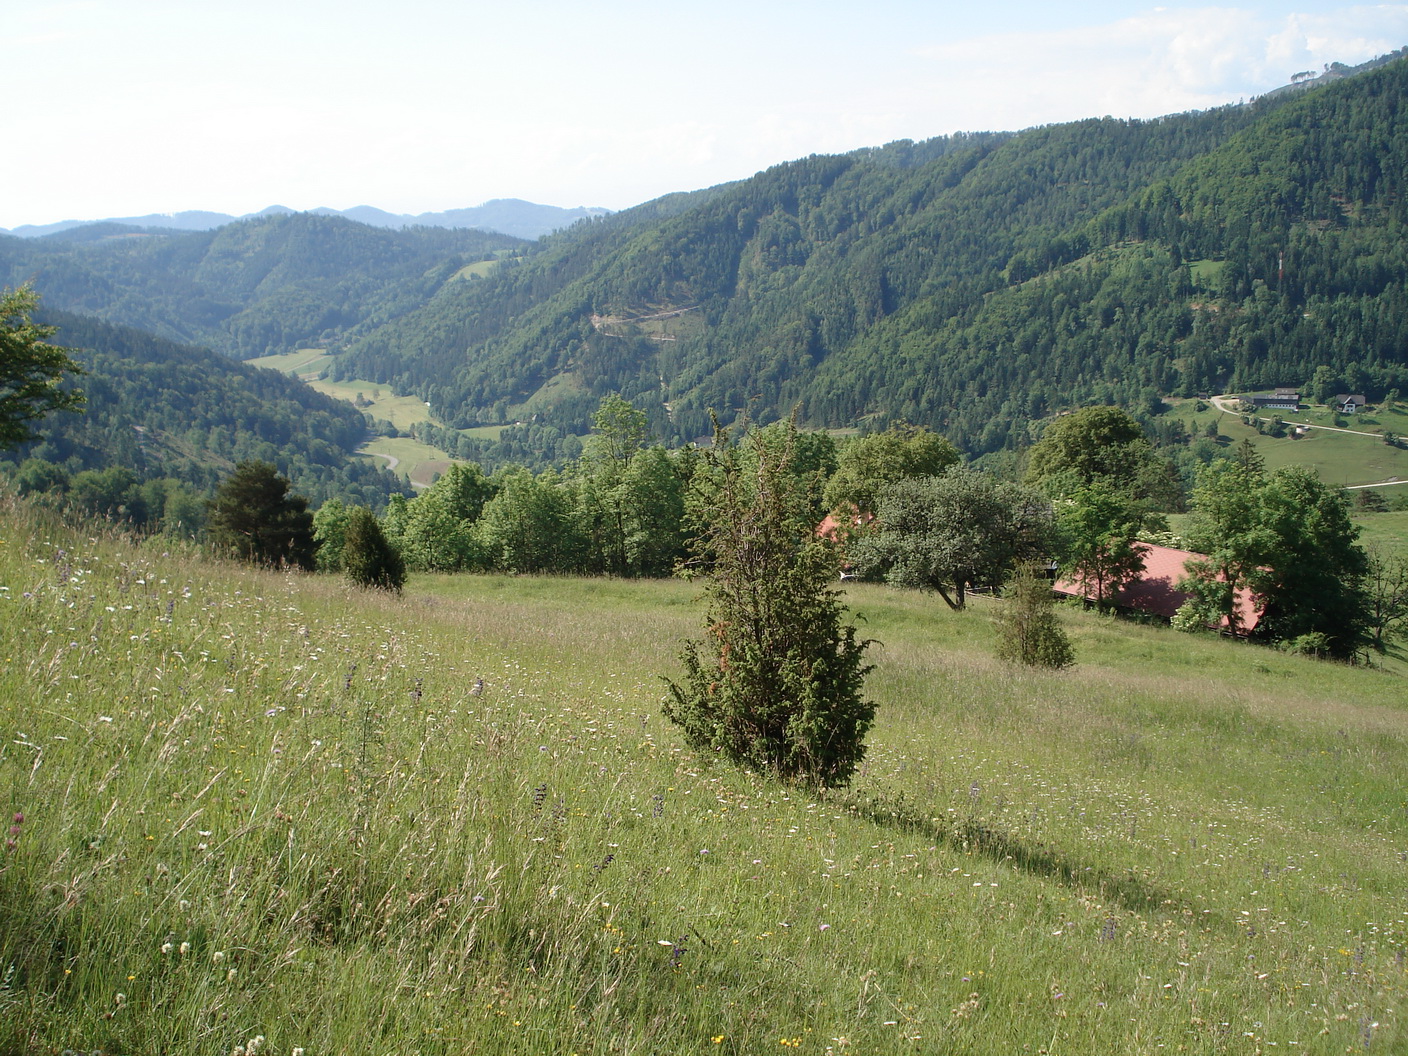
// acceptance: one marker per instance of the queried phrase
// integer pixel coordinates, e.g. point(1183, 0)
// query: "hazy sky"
point(124, 107)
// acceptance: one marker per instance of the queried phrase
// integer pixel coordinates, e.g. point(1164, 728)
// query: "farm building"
point(1154, 592)
point(1346, 403)
point(1281, 400)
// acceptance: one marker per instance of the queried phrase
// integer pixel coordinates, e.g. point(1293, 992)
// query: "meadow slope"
point(253, 805)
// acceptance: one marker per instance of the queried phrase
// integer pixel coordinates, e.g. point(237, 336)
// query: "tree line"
point(903, 505)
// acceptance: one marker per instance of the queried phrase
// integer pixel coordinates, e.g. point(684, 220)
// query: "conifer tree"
point(254, 515)
point(776, 684)
point(369, 559)
point(1027, 629)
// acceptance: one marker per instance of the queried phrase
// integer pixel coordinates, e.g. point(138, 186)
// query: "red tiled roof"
point(1155, 591)
point(832, 528)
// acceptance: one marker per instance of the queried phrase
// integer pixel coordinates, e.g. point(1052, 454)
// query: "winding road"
point(1226, 404)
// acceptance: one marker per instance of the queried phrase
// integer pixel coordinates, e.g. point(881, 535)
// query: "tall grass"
point(265, 806)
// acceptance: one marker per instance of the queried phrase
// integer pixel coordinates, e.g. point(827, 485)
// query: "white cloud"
point(1155, 62)
point(166, 104)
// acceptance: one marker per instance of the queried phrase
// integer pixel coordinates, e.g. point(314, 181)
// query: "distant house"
point(1282, 399)
point(1155, 591)
point(1347, 404)
point(839, 529)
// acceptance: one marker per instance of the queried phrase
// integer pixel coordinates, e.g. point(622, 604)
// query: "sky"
point(129, 107)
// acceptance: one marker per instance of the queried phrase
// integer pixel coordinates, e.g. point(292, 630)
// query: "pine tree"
point(254, 516)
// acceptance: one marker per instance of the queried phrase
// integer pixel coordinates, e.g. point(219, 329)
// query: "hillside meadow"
point(1344, 455)
point(266, 812)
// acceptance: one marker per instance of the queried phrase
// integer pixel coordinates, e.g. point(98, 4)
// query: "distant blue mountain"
point(509, 216)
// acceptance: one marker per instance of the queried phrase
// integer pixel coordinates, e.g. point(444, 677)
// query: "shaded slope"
point(166, 410)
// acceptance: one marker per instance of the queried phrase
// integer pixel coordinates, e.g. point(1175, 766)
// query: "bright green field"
point(478, 270)
point(1386, 531)
point(1340, 458)
point(401, 411)
point(305, 363)
point(263, 805)
point(416, 462)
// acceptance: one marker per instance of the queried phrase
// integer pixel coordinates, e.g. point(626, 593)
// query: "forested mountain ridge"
point(507, 216)
point(160, 410)
point(251, 288)
point(973, 283)
point(970, 283)
point(1280, 251)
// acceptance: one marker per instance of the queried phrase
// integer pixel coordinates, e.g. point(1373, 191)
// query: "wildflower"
point(218, 957)
point(184, 949)
point(119, 999)
point(255, 1044)
point(230, 976)
point(166, 949)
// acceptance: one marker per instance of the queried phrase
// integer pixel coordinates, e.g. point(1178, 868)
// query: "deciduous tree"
point(1288, 538)
point(867, 464)
point(1386, 594)
point(30, 369)
point(1098, 528)
point(955, 532)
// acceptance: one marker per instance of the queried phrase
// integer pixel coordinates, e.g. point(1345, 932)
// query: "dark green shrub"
point(1027, 629)
point(776, 682)
point(370, 561)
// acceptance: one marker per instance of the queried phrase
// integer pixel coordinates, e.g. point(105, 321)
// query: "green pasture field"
point(416, 462)
point(253, 805)
point(478, 270)
point(548, 394)
point(305, 363)
point(1387, 532)
point(483, 432)
point(401, 411)
point(1340, 458)
point(1206, 273)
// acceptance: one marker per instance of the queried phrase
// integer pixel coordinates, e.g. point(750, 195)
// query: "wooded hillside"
point(159, 410)
point(248, 289)
point(973, 283)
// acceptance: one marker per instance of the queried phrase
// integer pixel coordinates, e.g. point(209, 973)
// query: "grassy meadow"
point(1341, 458)
point(261, 806)
point(304, 363)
